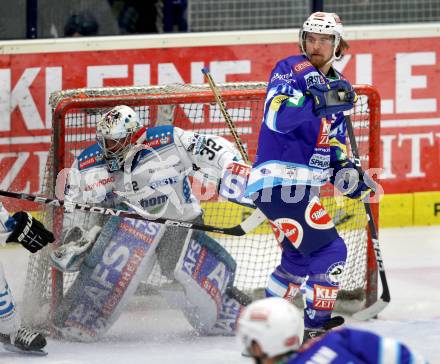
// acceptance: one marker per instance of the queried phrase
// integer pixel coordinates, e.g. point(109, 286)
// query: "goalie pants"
point(313, 256)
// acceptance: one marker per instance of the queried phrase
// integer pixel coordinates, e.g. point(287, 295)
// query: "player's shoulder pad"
point(90, 157)
point(159, 136)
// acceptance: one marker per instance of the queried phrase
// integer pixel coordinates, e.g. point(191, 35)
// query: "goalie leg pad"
point(122, 256)
point(9, 317)
point(206, 270)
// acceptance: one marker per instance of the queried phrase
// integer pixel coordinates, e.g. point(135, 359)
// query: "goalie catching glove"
point(29, 232)
point(332, 97)
point(76, 245)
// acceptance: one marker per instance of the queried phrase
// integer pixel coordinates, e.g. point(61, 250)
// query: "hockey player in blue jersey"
point(24, 229)
point(301, 146)
point(271, 331)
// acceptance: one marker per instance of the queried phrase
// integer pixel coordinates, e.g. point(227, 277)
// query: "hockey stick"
point(385, 298)
point(218, 98)
point(255, 219)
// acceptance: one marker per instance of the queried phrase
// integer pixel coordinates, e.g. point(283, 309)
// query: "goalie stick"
point(385, 298)
point(255, 219)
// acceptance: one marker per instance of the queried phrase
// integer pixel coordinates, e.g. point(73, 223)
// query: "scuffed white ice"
point(161, 335)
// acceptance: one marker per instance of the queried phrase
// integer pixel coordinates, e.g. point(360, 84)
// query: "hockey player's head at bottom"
point(321, 39)
point(114, 134)
point(269, 329)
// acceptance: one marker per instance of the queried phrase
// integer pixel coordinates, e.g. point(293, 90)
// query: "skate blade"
point(14, 349)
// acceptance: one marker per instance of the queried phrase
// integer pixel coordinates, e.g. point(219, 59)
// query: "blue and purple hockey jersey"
point(350, 346)
point(296, 147)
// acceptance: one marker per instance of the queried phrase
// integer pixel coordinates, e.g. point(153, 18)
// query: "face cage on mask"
point(115, 159)
point(336, 42)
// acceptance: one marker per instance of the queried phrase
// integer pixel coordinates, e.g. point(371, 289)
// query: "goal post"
point(193, 107)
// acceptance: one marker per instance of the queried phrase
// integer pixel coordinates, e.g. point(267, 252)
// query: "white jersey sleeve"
point(211, 153)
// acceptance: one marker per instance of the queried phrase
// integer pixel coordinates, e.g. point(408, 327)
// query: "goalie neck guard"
point(114, 134)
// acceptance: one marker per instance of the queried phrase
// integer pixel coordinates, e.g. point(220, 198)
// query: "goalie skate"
point(24, 341)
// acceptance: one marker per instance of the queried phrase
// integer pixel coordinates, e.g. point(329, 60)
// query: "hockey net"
point(192, 107)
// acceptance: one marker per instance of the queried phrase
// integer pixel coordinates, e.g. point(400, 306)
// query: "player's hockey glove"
point(332, 97)
point(348, 181)
point(29, 232)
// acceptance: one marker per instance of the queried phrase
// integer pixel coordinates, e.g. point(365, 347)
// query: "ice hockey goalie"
point(150, 168)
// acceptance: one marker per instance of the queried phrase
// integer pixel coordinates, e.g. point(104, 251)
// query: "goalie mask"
point(323, 23)
point(114, 134)
point(274, 323)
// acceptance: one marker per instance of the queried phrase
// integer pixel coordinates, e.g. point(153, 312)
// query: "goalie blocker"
point(123, 255)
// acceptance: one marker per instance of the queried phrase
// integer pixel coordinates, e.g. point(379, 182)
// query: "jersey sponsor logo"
point(101, 182)
point(288, 228)
point(316, 216)
point(313, 78)
point(286, 77)
point(239, 169)
point(320, 161)
point(334, 273)
point(323, 140)
point(292, 291)
point(302, 66)
point(153, 201)
point(164, 182)
point(324, 297)
point(157, 142)
point(87, 162)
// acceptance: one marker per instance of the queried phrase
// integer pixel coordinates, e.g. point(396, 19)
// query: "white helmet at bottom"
point(274, 323)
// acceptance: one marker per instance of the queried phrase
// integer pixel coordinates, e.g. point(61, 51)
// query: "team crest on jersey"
point(288, 228)
point(334, 273)
point(316, 215)
point(313, 78)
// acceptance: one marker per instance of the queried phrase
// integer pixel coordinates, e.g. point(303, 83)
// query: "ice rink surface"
point(412, 262)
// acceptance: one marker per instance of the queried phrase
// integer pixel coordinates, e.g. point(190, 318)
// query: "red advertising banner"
point(404, 71)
